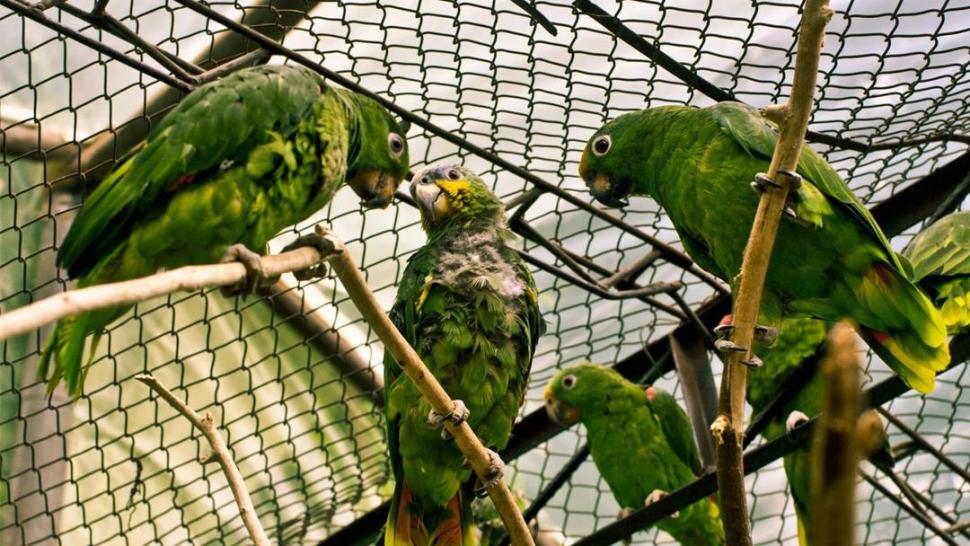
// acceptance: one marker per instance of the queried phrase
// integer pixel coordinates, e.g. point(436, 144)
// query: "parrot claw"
point(255, 275)
point(655, 496)
point(456, 416)
point(762, 334)
point(625, 513)
point(319, 241)
point(762, 181)
point(795, 419)
point(492, 477)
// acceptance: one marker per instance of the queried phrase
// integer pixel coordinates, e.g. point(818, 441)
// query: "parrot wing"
point(676, 428)
point(942, 249)
point(758, 136)
point(220, 121)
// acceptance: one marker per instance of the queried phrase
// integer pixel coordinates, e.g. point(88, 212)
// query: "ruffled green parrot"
point(641, 442)
point(831, 261)
point(940, 255)
point(236, 161)
point(468, 305)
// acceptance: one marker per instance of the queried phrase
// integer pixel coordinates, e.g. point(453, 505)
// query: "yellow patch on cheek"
point(452, 187)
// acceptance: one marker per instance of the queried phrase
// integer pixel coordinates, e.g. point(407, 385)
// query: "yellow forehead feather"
point(452, 187)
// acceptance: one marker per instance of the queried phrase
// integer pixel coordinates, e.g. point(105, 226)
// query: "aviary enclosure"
point(513, 90)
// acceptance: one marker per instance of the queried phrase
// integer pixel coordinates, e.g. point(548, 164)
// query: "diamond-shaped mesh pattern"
point(295, 396)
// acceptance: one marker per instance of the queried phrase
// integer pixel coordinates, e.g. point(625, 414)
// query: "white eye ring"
point(453, 174)
point(569, 382)
point(395, 144)
point(601, 145)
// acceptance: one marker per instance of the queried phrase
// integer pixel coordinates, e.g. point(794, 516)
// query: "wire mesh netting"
point(293, 379)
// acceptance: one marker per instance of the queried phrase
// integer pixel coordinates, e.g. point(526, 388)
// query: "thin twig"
point(220, 454)
point(409, 361)
point(102, 296)
point(728, 428)
point(836, 447)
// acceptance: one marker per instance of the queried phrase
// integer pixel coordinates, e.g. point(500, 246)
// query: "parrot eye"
point(396, 144)
point(569, 382)
point(453, 174)
point(602, 145)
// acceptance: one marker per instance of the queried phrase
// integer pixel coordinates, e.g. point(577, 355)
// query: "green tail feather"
point(903, 327)
point(63, 355)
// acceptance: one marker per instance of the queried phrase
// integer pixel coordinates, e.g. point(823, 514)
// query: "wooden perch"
point(101, 296)
point(728, 428)
point(836, 448)
point(220, 454)
point(469, 444)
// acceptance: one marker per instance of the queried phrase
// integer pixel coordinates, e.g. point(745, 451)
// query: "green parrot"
point(629, 427)
point(798, 339)
point(940, 255)
point(467, 304)
point(235, 162)
point(831, 261)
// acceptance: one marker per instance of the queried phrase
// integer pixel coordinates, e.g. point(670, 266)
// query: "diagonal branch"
point(432, 391)
point(728, 428)
point(220, 454)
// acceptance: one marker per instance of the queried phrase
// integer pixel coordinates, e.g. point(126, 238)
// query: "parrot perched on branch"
point(940, 255)
point(641, 442)
point(798, 340)
point(235, 162)
point(468, 305)
point(831, 261)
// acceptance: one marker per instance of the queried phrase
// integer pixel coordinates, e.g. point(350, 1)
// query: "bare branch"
point(406, 357)
point(835, 453)
point(194, 277)
point(220, 454)
point(728, 428)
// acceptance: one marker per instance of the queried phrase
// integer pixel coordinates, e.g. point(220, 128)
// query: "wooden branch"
point(469, 444)
point(728, 428)
point(835, 450)
point(220, 454)
point(47, 310)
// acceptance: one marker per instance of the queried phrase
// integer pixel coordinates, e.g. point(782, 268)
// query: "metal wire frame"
point(187, 75)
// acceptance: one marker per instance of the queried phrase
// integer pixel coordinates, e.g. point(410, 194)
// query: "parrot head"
point(578, 389)
point(381, 161)
point(608, 165)
point(451, 196)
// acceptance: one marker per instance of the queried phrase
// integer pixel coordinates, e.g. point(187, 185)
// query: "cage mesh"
point(291, 379)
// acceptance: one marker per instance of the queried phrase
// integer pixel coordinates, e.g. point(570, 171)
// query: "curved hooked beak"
point(607, 192)
point(427, 195)
point(375, 188)
point(562, 413)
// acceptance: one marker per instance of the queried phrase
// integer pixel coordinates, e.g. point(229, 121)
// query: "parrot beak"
point(375, 188)
point(562, 413)
point(608, 193)
point(428, 197)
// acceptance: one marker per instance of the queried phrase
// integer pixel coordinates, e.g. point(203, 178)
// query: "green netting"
point(294, 396)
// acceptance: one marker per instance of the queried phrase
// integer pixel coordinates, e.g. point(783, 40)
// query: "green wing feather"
point(222, 120)
point(943, 249)
point(676, 428)
point(758, 136)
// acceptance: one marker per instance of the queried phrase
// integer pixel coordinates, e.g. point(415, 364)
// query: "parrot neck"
point(672, 138)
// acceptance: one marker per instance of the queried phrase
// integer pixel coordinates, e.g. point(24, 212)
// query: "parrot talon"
point(655, 496)
point(753, 362)
point(318, 241)
point(493, 475)
point(762, 181)
point(456, 416)
point(255, 275)
point(623, 514)
point(794, 419)
point(727, 346)
point(762, 334)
